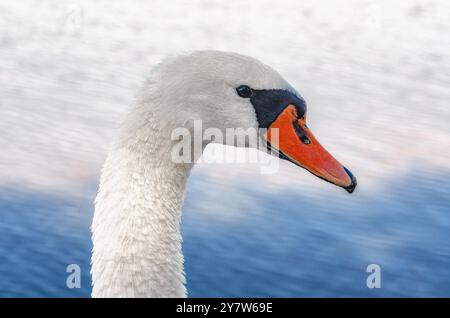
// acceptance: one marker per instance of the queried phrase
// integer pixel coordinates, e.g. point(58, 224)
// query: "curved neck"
point(136, 227)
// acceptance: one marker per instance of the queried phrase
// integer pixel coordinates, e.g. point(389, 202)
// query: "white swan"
point(136, 227)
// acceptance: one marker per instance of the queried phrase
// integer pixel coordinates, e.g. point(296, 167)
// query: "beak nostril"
point(305, 140)
point(301, 133)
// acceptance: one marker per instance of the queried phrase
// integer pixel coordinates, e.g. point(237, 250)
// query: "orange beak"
point(297, 144)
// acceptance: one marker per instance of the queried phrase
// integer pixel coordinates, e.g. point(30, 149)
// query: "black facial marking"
point(269, 103)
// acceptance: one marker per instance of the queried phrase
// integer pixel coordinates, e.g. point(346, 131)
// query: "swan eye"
point(244, 91)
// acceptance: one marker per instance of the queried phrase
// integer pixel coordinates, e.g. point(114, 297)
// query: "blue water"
point(289, 245)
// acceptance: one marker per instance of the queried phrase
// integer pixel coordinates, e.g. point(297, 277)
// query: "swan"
point(136, 225)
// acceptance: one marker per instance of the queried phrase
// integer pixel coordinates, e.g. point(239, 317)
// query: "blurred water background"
point(375, 74)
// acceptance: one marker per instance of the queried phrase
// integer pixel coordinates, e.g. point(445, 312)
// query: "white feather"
point(136, 226)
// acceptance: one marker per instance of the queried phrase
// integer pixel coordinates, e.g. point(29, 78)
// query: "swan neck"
point(136, 227)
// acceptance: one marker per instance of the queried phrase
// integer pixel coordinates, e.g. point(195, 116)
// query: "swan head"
point(227, 90)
